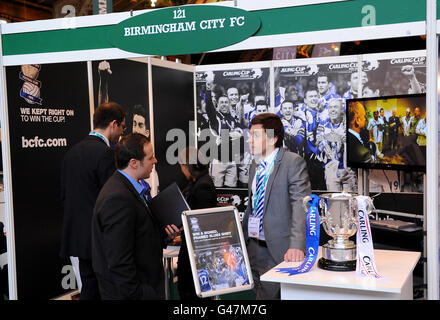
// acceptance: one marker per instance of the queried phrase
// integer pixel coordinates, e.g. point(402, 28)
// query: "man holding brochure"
point(127, 238)
point(274, 223)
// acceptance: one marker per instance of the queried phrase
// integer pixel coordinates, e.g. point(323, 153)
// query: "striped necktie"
point(261, 184)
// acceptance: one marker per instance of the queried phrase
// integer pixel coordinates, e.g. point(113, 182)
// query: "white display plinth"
point(395, 267)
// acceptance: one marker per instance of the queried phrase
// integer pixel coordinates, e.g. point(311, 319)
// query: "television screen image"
point(387, 132)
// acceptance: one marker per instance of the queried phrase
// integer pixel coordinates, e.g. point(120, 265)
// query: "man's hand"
point(172, 231)
point(408, 70)
point(294, 255)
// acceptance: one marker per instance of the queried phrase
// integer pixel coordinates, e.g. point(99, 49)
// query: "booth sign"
point(184, 30)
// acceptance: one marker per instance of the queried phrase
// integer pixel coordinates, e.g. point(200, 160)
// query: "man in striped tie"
point(274, 223)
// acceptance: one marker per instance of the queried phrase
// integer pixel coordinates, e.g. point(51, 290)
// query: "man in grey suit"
point(274, 223)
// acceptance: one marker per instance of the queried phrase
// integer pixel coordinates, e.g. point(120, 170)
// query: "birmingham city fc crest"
point(30, 91)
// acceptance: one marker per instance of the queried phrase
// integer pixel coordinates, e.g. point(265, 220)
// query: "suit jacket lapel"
point(150, 212)
point(135, 194)
point(252, 169)
point(272, 178)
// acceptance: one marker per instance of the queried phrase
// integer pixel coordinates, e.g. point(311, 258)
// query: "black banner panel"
point(125, 82)
point(173, 101)
point(49, 112)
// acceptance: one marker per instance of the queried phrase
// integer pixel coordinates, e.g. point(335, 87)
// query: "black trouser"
point(90, 289)
point(262, 261)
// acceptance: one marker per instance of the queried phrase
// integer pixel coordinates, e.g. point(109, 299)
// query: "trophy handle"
point(370, 207)
point(323, 212)
point(306, 203)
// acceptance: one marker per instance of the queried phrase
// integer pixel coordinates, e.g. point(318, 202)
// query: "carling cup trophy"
point(339, 217)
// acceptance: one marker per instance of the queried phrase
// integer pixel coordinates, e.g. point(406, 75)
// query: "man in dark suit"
point(394, 126)
point(127, 239)
point(85, 169)
point(357, 151)
point(274, 223)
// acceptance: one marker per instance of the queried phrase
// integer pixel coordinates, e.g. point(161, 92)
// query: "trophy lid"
point(339, 195)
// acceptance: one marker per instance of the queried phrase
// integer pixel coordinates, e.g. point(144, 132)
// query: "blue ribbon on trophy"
point(312, 239)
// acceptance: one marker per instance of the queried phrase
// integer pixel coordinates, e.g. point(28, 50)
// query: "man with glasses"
point(85, 169)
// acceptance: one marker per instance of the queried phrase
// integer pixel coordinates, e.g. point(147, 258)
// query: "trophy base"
point(337, 265)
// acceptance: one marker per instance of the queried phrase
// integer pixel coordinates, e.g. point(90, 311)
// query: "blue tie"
point(261, 183)
point(145, 193)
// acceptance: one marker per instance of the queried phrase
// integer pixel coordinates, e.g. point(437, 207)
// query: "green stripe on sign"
point(326, 16)
point(340, 15)
point(56, 40)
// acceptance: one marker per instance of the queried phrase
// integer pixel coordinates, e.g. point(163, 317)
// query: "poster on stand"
point(126, 82)
point(49, 112)
point(228, 98)
point(217, 251)
point(310, 99)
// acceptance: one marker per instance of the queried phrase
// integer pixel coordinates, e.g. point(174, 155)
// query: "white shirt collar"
point(357, 135)
point(269, 158)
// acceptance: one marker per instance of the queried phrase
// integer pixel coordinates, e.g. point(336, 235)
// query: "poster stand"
point(217, 251)
point(427, 25)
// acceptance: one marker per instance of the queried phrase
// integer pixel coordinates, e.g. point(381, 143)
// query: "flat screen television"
point(387, 132)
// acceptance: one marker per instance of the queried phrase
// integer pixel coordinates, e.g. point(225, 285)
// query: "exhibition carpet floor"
point(174, 295)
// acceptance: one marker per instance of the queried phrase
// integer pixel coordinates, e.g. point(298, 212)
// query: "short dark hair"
point(130, 147)
point(287, 101)
point(270, 121)
point(194, 161)
point(261, 103)
point(106, 113)
point(310, 88)
point(321, 74)
point(139, 109)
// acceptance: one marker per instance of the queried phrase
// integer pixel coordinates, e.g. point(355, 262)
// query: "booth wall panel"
point(36, 170)
point(173, 103)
